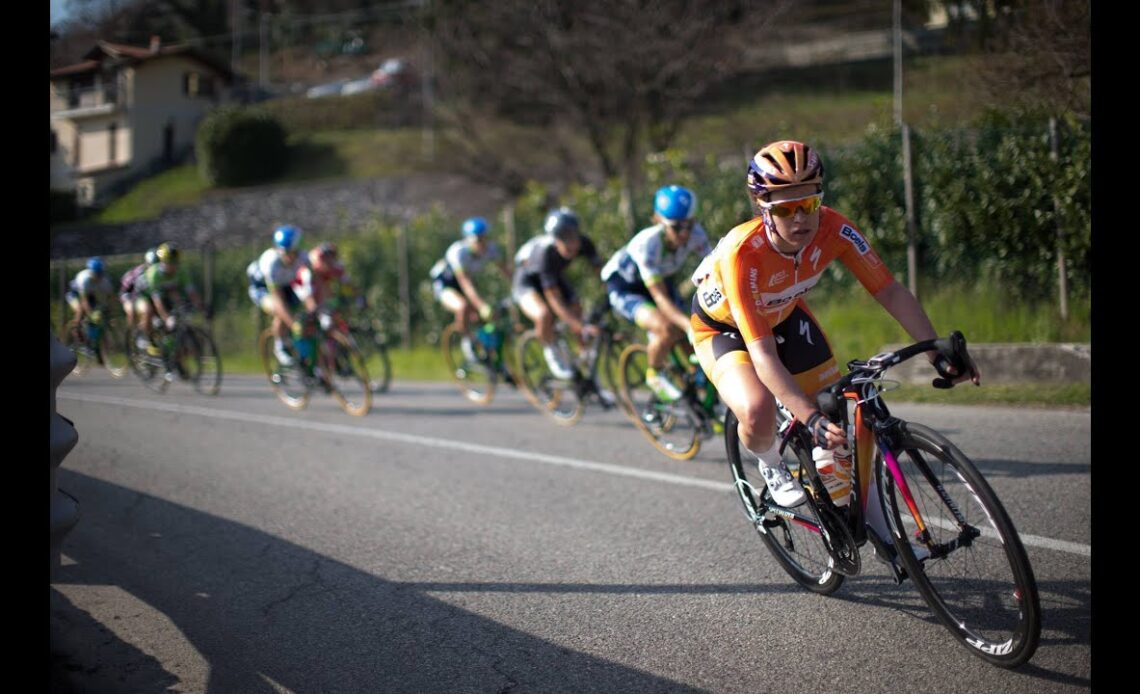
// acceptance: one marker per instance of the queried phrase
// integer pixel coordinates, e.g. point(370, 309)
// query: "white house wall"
point(157, 99)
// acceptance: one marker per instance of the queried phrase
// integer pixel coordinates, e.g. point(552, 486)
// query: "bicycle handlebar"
point(952, 348)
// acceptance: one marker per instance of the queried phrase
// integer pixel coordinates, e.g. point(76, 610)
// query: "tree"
point(621, 73)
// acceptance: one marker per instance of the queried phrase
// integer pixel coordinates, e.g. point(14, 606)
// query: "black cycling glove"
point(817, 425)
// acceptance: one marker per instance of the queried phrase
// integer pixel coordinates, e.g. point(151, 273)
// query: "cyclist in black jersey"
point(540, 288)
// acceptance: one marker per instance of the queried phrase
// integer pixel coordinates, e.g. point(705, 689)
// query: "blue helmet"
point(287, 237)
point(475, 226)
point(675, 202)
point(561, 223)
point(95, 265)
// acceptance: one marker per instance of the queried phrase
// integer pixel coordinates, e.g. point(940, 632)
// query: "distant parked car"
point(394, 73)
point(357, 86)
point(327, 89)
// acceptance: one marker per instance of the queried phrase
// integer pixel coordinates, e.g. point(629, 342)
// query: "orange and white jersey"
point(746, 284)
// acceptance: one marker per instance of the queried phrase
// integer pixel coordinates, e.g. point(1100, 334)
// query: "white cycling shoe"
point(785, 490)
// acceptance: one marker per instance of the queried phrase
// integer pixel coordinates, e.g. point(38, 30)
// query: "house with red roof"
point(126, 112)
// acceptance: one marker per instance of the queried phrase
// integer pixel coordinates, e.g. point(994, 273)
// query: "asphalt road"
point(229, 544)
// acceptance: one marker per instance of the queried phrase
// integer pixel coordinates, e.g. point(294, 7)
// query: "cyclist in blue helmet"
point(270, 286)
point(452, 275)
point(90, 292)
point(640, 280)
point(540, 288)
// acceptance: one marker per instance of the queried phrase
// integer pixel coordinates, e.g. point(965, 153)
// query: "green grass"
point(176, 187)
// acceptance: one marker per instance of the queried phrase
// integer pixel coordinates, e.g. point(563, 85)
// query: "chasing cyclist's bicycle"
point(336, 366)
point(920, 502)
point(96, 340)
point(675, 428)
point(479, 361)
point(186, 353)
point(595, 367)
point(368, 333)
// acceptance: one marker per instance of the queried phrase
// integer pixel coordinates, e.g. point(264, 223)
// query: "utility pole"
point(908, 181)
point(263, 50)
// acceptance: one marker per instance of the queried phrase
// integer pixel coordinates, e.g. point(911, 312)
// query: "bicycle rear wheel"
point(555, 398)
point(670, 427)
point(795, 542)
point(978, 579)
point(350, 383)
point(469, 368)
point(287, 382)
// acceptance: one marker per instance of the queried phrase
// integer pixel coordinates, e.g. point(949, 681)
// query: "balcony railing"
point(101, 98)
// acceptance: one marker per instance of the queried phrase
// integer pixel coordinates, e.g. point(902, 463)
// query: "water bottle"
point(836, 478)
point(489, 336)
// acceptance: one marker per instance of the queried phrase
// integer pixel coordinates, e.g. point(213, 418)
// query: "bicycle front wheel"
point(350, 384)
point(969, 564)
point(669, 426)
point(207, 372)
point(111, 348)
point(77, 343)
point(379, 368)
point(796, 543)
point(468, 364)
point(555, 398)
point(288, 382)
point(147, 362)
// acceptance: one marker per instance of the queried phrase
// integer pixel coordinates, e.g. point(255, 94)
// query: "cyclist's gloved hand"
point(171, 321)
point(819, 425)
point(485, 312)
point(96, 316)
point(326, 320)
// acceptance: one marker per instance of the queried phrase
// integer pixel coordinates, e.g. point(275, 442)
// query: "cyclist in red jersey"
point(753, 333)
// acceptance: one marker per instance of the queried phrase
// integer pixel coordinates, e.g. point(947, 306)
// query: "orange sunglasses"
point(787, 208)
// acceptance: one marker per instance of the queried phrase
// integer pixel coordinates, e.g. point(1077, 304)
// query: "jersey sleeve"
point(856, 253)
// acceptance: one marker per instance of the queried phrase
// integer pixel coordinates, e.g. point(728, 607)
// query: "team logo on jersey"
point(711, 297)
point(815, 254)
point(777, 278)
point(856, 240)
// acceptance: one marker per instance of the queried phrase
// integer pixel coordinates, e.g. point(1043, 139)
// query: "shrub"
point(240, 146)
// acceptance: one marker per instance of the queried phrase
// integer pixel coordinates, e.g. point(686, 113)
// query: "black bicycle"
point(594, 363)
point(922, 504)
point(185, 353)
point(368, 333)
point(479, 359)
point(676, 428)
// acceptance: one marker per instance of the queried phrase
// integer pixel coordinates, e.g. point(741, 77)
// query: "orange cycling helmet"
point(784, 164)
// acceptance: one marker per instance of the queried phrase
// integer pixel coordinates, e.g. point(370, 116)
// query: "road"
point(229, 544)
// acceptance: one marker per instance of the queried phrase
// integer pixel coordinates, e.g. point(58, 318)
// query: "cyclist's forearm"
point(562, 310)
point(667, 307)
point(905, 308)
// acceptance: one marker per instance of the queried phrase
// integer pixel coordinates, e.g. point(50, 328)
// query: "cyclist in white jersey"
point(452, 275)
point(270, 285)
point(640, 283)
